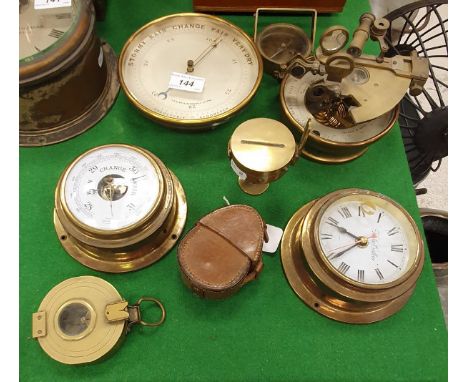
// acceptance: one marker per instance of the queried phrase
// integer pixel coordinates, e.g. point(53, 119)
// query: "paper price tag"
point(241, 174)
point(46, 4)
point(181, 81)
point(274, 237)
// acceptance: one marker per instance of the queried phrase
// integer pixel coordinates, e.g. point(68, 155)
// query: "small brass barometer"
point(83, 319)
point(118, 208)
point(68, 77)
point(189, 70)
point(352, 255)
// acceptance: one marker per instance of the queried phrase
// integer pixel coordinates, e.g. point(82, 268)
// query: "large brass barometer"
point(118, 208)
point(189, 70)
point(352, 255)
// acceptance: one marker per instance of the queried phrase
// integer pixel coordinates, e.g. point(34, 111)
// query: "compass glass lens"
point(223, 60)
point(366, 239)
point(111, 187)
point(43, 30)
point(74, 319)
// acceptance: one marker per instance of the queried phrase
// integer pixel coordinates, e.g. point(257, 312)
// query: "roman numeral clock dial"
point(362, 254)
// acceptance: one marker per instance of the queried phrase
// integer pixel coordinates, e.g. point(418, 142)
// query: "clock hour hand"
point(344, 230)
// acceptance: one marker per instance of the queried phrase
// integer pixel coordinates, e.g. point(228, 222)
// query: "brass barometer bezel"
point(320, 286)
point(189, 124)
point(131, 247)
point(107, 320)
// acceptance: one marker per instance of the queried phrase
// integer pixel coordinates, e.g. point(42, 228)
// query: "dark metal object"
point(68, 93)
point(435, 223)
point(424, 119)
point(101, 7)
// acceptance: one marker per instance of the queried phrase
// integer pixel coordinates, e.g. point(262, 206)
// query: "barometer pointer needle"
point(191, 63)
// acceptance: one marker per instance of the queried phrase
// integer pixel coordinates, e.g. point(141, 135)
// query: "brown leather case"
point(223, 251)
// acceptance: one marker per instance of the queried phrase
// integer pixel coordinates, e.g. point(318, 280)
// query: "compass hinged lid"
point(262, 145)
point(223, 251)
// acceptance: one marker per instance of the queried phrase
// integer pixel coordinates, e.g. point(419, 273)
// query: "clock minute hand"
point(333, 255)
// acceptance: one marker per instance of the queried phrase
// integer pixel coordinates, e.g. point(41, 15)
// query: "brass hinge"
point(117, 311)
point(39, 328)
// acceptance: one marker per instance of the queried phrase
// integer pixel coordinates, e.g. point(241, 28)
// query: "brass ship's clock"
point(189, 70)
point(67, 76)
point(118, 208)
point(353, 255)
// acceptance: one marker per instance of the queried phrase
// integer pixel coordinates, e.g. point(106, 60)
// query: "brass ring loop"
point(157, 302)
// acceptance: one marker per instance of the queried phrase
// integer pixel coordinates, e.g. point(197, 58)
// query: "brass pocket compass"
point(118, 208)
point(189, 70)
point(352, 255)
point(68, 77)
point(261, 151)
point(83, 319)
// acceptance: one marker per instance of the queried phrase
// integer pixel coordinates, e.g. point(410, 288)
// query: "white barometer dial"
point(111, 188)
point(190, 70)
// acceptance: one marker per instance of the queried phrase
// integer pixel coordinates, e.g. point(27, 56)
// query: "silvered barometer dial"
point(190, 70)
point(118, 208)
point(353, 255)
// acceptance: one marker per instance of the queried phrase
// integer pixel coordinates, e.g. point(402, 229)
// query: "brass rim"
point(333, 197)
point(129, 259)
point(187, 123)
point(327, 159)
point(327, 142)
point(303, 285)
point(60, 201)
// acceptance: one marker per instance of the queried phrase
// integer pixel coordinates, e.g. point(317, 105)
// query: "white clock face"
point(365, 241)
point(111, 188)
point(41, 29)
point(294, 99)
point(222, 56)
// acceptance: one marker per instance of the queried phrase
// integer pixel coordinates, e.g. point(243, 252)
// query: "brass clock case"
point(83, 319)
point(261, 150)
point(79, 63)
point(187, 124)
point(133, 247)
point(327, 291)
point(320, 149)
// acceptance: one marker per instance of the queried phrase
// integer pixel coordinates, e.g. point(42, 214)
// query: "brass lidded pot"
point(118, 208)
point(261, 150)
point(68, 77)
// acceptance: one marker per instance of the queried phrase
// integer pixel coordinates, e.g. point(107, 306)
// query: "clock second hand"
point(332, 255)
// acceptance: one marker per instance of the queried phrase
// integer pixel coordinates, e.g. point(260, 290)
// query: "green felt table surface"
point(264, 332)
